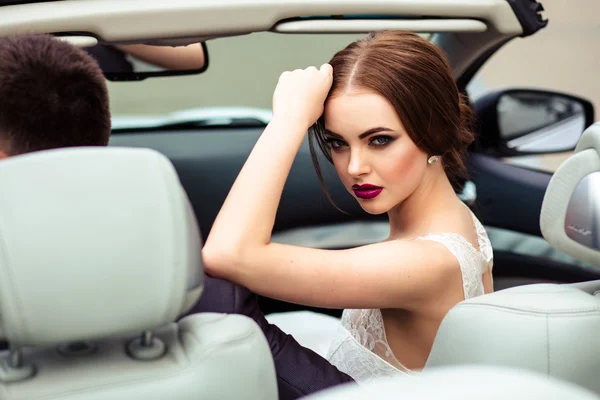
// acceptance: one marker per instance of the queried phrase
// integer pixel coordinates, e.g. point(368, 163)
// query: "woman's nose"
point(358, 165)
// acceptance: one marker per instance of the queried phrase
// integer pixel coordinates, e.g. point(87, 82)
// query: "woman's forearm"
point(248, 214)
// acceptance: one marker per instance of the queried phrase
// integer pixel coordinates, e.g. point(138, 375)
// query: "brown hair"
point(52, 94)
point(415, 77)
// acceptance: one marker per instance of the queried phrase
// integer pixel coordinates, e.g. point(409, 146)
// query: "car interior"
point(528, 327)
point(541, 317)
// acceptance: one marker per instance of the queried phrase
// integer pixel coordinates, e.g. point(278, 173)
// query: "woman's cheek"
point(404, 170)
point(405, 163)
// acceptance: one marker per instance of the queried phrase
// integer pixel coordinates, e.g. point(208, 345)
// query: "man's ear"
point(4, 147)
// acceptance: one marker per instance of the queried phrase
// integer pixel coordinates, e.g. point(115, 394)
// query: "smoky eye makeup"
point(375, 137)
point(334, 142)
point(381, 140)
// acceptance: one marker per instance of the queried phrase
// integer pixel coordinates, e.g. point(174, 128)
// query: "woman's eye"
point(380, 140)
point(335, 144)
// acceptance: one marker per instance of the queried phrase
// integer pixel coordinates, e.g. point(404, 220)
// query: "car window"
point(560, 57)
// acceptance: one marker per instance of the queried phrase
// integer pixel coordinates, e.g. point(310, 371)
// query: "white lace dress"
point(360, 348)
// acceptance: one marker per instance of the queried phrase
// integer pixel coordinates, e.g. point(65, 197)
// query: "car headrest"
point(570, 217)
point(94, 242)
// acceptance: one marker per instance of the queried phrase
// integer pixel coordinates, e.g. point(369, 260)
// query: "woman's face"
point(376, 160)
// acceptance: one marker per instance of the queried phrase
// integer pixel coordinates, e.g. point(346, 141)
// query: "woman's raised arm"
point(246, 218)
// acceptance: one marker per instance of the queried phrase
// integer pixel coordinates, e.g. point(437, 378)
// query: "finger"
point(327, 69)
point(311, 68)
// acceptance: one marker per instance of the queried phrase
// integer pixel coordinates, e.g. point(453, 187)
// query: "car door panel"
point(508, 197)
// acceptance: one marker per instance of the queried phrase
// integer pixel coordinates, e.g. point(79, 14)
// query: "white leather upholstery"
point(548, 328)
point(585, 161)
point(101, 245)
point(102, 237)
point(461, 383)
point(210, 356)
point(551, 329)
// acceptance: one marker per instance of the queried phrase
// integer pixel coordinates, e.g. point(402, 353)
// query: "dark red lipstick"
point(366, 191)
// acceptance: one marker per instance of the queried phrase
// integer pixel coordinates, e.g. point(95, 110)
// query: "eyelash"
point(387, 140)
point(337, 144)
point(331, 142)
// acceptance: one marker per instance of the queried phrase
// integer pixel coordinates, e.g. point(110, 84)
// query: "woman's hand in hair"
point(300, 95)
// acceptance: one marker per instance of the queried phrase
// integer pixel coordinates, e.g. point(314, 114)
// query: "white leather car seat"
point(549, 328)
point(99, 255)
point(461, 383)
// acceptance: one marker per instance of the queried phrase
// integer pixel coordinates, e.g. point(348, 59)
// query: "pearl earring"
point(433, 159)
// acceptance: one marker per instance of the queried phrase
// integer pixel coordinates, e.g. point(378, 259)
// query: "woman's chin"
point(373, 207)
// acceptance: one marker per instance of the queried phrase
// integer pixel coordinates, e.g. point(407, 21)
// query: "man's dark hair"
point(52, 94)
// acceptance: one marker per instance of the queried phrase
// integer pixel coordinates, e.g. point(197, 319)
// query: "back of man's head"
point(52, 94)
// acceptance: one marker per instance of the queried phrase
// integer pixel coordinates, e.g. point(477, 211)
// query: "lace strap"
point(485, 246)
point(471, 262)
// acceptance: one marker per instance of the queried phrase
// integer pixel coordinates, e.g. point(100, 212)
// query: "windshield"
point(242, 72)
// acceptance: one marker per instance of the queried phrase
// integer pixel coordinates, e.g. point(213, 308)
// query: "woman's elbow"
point(218, 261)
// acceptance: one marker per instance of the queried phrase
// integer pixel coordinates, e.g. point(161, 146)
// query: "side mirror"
point(136, 62)
point(528, 121)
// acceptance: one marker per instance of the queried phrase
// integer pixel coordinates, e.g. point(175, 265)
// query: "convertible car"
point(205, 119)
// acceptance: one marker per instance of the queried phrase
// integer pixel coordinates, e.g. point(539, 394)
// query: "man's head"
point(52, 95)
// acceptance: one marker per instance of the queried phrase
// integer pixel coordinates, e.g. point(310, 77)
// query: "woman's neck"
point(418, 213)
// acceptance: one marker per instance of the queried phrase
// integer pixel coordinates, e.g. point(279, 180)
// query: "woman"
point(387, 113)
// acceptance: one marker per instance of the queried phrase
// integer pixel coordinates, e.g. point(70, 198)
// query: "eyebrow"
point(363, 135)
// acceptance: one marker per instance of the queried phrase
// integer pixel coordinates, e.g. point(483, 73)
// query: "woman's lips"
point(366, 191)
